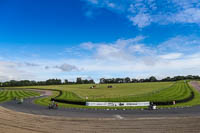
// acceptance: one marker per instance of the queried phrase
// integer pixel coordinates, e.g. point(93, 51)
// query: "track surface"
point(11, 121)
point(29, 107)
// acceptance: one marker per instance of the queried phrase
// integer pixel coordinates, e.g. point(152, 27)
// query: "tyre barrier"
point(60, 93)
point(68, 101)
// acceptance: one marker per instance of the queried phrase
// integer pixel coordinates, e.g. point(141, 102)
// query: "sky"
point(42, 39)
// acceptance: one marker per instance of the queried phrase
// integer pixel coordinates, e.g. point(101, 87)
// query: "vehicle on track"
point(53, 105)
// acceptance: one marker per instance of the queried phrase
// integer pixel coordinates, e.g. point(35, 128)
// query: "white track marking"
point(119, 117)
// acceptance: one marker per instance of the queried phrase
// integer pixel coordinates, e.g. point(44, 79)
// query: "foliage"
point(150, 79)
point(14, 83)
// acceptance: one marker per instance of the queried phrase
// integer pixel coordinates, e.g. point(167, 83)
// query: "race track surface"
point(17, 122)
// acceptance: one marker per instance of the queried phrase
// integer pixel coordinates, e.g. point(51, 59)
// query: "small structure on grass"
point(92, 87)
point(110, 86)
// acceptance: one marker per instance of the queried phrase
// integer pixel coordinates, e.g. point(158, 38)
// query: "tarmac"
point(29, 107)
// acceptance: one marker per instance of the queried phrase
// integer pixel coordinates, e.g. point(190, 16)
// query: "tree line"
point(150, 79)
point(13, 83)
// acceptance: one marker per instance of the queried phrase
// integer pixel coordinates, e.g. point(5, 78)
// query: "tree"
point(66, 81)
point(79, 80)
point(127, 80)
point(53, 82)
point(134, 80)
point(91, 81)
point(152, 79)
point(102, 81)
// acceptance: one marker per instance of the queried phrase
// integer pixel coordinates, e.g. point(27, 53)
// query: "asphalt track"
point(29, 107)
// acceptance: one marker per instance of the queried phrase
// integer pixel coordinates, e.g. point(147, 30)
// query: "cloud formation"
point(180, 44)
point(131, 57)
point(13, 71)
point(31, 64)
point(143, 13)
point(135, 56)
point(66, 67)
point(172, 56)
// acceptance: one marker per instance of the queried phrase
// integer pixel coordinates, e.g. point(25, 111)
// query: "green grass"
point(193, 102)
point(46, 100)
point(177, 91)
point(134, 92)
point(6, 95)
point(101, 91)
point(70, 96)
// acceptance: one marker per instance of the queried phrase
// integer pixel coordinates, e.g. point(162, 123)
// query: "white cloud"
point(191, 15)
point(180, 44)
point(171, 56)
point(141, 20)
point(121, 49)
point(111, 52)
point(141, 49)
point(75, 51)
point(111, 5)
point(93, 1)
point(31, 64)
point(67, 67)
point(11, 71)
point(185, 4)
point(87, 45)
point(128, 56)
point(143, 13)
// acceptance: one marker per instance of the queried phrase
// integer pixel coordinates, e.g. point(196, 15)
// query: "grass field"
point(6, 95)
point(177, 91)
point(101, 90)
point(133, 92)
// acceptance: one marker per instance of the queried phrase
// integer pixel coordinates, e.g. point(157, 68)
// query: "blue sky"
point(98, 38)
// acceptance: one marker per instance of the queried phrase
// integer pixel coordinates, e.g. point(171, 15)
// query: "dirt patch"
point(195, 84)
point(17, 122)
point(43, 92)
point(47, 93)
